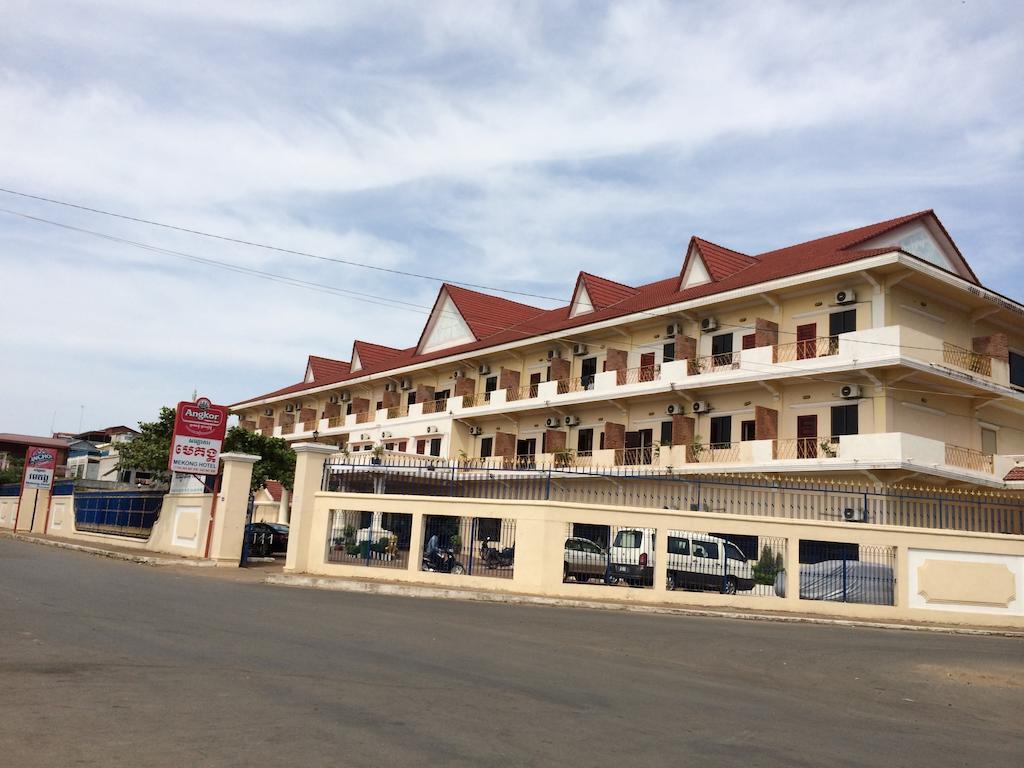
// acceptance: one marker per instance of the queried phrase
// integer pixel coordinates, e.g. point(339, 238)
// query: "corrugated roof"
point(499, 321)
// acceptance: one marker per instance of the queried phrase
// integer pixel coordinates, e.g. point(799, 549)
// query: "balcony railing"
point(639, 375)
point(364, 417)
point(398, 411)
point(309, 426)
point(336, 421)
point(635, 456)
point(522, 461)
point(968, 458)
point(435, 406)
point(521, 393)
point(287, 429)
point(248, 426)
point(805, 349)
point(806, 448)
point(713, 453)
point(574, 458)
point(578, 384)
point(726, 361)
point(964, 358)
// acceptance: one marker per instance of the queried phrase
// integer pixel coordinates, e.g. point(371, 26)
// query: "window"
point(380, 404)
point(749, 340)
point(490, 384)
point(721, 431)
point(441, 394)
point(732, 552)
point(585, 440)
point(486, 447)
point(708, 549)
point(842, 322)
point(421, 446)
point(588, 369)
point(666, 433)
point(435, 446)
point(988, 441)
point(678, 546)
point(488, 528)
point(721, 348)
point(748, 430)
point(668, 353)
point(844, 420)
point(572, 545)
point(629, 539)
point(401, 445)
point(411, 399)
point(1017, 369)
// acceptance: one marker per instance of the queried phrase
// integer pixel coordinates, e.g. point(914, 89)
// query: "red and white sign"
point(199, 430)
point(40, 464)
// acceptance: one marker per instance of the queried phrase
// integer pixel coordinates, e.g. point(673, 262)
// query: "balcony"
point(806, 349)
point(435, 406)
point(287, 429)
point(398, 412)
point(967, 360)
point(365, 417)
point(969, 458)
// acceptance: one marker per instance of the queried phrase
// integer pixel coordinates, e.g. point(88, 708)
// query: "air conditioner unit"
point(406, 384)
point(289, 408)
point(364, 436)
point(673, 408)
point(553, 421)
point(431, 430)
point(849, 391)
point(476, 430)
point(701, 406)
point(852, 515)
point(846, 296)
point(457, 373)
point(391, 387)
point(268, 411)
point(708, 324)
point(385, 435)
point(554, 353)
point(572, 421)
point(484, 369)
point(332, 399)
point(579, 349)
point(672, 329)
point(345, 397)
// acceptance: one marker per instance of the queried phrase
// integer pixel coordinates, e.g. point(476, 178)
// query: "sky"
point(504, 144)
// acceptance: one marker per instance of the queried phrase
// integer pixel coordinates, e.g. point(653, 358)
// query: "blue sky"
point(509, 144)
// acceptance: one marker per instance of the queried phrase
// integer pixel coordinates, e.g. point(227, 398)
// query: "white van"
point(702, 561)
point(631, 557)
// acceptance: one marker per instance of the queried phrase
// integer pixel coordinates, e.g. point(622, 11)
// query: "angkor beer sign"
point(199, 429)
point(40, 464)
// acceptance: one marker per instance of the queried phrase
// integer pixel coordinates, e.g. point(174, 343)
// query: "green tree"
point(149, 451)
point(277, 460)
point(768, 566)
point(13, 472)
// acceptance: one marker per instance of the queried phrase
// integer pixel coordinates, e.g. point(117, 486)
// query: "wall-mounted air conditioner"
point(673, 408)
point(852, 515)
point(268, 411)
point(849, 391)
point(554, 353)
point(579, 349)
point(484, 369)
point(476, 430)
point(553, 421)
point(846, 296)
point(364, 436)
point(708, 324)
point(386, 435)
point(457, 373)
point(431, 430)
point(345, 397)
point(289, 408)
point(672, 329)
point(572, 421)
point(391, 387)
point(700, 406)
point(406, 383)
point(332, 399)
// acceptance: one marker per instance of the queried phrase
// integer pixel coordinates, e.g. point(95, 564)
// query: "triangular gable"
point(356, 364)
point(446, 326)
point(581, 302)
point(927, 239)
point(695, 271)
point(707, 262)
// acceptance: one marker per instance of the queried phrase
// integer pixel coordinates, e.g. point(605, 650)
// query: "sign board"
point(199, 430)
point(40, 464)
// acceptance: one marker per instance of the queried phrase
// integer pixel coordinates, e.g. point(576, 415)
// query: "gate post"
point(232, 504)
point(309, 477)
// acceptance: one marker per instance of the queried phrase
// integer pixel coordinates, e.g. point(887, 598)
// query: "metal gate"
point(119, 513)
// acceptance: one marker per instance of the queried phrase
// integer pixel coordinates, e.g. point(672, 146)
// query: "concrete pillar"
point(232, 504)
point(32, 499)
point(309, 473)
point(766, 333)
point(282, 508)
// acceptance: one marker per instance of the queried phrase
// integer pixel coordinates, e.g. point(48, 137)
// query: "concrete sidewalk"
point(143, 557)
point(430, 591)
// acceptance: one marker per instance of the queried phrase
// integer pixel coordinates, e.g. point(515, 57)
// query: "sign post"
point(199, 430)
point(40, 465)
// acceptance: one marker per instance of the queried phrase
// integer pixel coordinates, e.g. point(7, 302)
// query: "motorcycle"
point(496, 558)
point(442, 561)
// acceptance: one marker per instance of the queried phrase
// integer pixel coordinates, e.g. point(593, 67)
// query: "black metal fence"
point(845, 572)
point(980, 512)
point(372, 539)
point(128, 513)
point(474, 546)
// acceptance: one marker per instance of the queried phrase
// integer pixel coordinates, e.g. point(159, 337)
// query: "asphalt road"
point(105, 663)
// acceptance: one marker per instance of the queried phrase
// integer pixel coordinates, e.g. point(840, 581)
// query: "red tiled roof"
point(498, 321)
point(274, 488)
point(604, 292)
point(325, 369)
point(1015, 474)
point(721, 262)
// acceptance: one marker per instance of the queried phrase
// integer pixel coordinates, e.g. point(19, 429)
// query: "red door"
point(807, 437)
point(749, 340)
point(647, 366)
point(805, 336)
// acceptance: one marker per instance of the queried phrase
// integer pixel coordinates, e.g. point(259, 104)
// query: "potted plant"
point(828, 449)
point(695, 449)
point(377, 453)
point(455, 542)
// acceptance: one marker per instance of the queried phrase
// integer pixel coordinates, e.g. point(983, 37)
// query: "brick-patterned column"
point(424, 393)
point(391, 399)
point(560, 369)
point(465, 386)
point(766, 423)
point(554, 440)
point(996, 346)
point(686, 349)
point(614, 435)
point(267, 423)
point(332, 410)
point(248, 425)
point(307, 414)
point(360, 405)
point(682, 429)
point(766, 333)
point(287, 418)
point(504, 444)
point(508, 378)
point(615, 360)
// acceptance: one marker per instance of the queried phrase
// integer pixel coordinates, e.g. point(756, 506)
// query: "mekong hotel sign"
point(199, 430)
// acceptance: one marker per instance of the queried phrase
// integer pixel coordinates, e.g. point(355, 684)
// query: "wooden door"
point(647, 366)
point(805, 341)
point(807, 437)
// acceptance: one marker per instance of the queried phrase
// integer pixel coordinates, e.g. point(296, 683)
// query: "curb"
point(113, 555)
point(445, 593)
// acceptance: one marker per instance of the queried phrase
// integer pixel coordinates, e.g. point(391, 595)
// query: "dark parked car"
point(267, 539)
